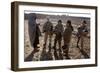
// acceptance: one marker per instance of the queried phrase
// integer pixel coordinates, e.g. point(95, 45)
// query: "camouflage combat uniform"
point(58, 37)
point(48, 31)
point(58, 34)
point(82, 33)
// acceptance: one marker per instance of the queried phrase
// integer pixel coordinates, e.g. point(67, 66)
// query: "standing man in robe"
point(67, 38)
point(34, 32)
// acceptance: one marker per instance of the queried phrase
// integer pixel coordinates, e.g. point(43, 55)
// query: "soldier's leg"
point(55, 50)
point(55, 54)
point(60, 50)
point(50, 41)
point(78, 41)
point(55, 41)
point(82, 42)
point(45, 39)
point(50, 38)
point(59, 42)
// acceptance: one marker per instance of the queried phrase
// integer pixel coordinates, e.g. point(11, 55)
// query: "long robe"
point(67, 35)
point(32, 27)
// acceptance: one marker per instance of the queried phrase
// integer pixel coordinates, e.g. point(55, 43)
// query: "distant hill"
point(64, 18)
point(42, 16)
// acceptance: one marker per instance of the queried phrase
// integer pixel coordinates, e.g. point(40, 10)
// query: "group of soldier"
point(61, 34)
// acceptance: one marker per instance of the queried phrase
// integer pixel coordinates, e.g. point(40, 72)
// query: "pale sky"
point(59, 13)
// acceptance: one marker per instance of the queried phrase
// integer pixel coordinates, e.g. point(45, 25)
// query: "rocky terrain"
point(74, 52)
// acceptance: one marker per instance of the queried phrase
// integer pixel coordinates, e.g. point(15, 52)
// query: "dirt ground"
point(74, 52)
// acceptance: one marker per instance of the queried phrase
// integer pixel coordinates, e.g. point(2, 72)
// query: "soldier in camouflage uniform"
point(58, 37)
point(67, 38)
point(48, 32)
point(82, 33)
